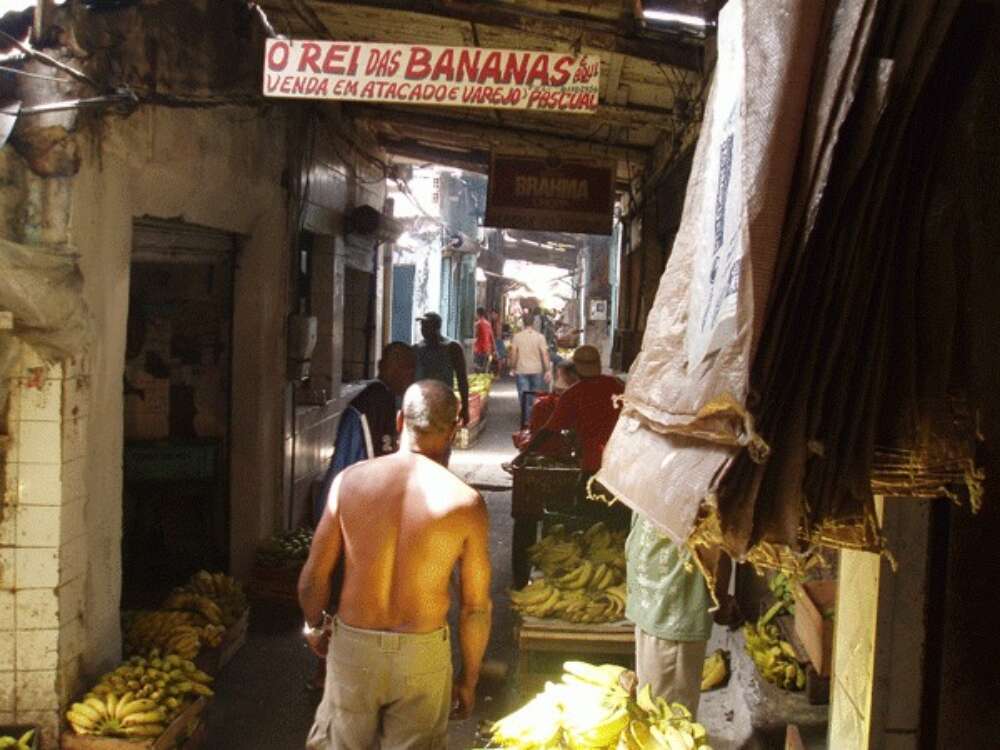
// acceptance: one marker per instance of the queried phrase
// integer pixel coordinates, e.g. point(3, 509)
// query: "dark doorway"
point(177, 408)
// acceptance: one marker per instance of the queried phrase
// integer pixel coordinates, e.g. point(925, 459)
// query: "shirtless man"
point(402, 522)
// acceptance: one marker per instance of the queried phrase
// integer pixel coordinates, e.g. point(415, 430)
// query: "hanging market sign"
point(553, 194)
point(426, 74)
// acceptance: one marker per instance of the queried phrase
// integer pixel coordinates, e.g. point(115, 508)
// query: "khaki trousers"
point(384, 690)
point(672, 668)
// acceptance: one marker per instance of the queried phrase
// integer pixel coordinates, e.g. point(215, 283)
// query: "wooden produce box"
point(544, 644)
point(17, 731)
point(466, 436)
point(814, 604)
point(275, 584)
point(213, 659)
point(181, 733)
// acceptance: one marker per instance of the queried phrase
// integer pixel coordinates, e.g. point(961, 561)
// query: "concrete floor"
point(262, 702)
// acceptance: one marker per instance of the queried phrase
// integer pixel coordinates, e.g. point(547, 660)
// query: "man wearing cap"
point(440, 358)
point(588, 408)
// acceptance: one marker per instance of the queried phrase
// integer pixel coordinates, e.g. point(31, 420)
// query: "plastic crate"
point(538, 488)
point(158, 462)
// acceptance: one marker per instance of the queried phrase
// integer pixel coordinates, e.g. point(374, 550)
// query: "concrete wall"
point(167, 163)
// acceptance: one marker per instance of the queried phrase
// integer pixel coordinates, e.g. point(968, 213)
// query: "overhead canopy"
point(650, 76)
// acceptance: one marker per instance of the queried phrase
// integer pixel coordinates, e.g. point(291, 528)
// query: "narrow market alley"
point(748, 249)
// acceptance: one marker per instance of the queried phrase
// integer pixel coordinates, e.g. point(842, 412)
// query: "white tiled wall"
point(43, 555)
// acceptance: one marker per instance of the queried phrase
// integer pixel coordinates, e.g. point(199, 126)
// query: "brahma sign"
point(539, 193)
point(419, 74)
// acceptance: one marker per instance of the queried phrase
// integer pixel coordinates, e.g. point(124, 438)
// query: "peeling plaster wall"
point(218, 168)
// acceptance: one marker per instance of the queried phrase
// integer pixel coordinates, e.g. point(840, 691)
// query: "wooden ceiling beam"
point(472, 134)
point(539, 255)
point(470, 161)
point(588, 32)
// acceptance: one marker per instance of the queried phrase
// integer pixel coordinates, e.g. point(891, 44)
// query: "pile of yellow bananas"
point(194, 615)
point(139, 698)
point(715, 670)
point(18, 743)
point(591, 708)
point(225, 592)
point(171, 631)
point(775, 658)
point(583, 576)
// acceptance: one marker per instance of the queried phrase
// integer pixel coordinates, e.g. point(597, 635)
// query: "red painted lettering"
point(335, 54)
point(352, 69)
point(418, 67)
point(445, 66)
point(516, 68)
point(491, 68)
point(562, 70)
point(539, 71)
point(277, 56)
point(468, 65)
point(310, 56)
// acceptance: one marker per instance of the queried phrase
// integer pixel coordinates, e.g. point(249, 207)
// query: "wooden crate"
point(275, 584)
point(813, 600)
point(212, 660)
point(180, 733)
point(466, 436)
point(544, 644)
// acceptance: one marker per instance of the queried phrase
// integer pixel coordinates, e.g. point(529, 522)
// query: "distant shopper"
point(588, 408)
point(485, 346)
point(440, 358)
point(670, 605)
point(529, 361)
point(401, 523)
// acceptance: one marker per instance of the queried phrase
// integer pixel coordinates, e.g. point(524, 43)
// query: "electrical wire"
point(26, 74)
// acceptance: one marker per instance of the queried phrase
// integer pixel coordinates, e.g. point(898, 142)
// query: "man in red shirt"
point(485, 344)
point(588, 409)
point(543, 409)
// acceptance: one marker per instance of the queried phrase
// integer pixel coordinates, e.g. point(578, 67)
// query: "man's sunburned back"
point(404, 520)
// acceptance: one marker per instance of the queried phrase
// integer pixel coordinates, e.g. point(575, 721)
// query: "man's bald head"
point(430, 409)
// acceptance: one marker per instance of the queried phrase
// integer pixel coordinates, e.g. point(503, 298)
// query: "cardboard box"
point(814, 605)
point(147, 413)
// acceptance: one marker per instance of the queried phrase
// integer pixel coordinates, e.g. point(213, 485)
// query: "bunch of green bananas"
point(782, 586)
point(775, 658)
point(591, 708)
point(224, 590)
point(139, 698)
point(172, 631)
point(18, 743)
point(715, 670)
point(284, 550)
